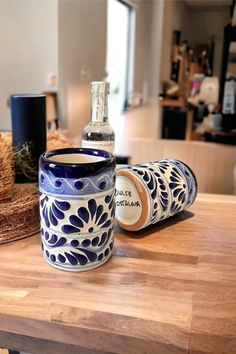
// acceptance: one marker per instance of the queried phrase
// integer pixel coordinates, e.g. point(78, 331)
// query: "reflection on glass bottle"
point(98, 134)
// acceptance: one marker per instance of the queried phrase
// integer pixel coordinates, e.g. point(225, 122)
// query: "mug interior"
point(74, 162)
point(76, 158)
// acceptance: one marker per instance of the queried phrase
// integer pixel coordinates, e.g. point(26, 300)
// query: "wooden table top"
point(168, 289)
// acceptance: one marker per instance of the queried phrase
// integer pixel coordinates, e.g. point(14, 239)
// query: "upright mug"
point(77, 207)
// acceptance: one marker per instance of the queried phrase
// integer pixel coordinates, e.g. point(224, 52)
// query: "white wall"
point(181, 19)
point(148, 40)
point(82, 47)
point(142, 45)
point(28, 42)
point(156, 46)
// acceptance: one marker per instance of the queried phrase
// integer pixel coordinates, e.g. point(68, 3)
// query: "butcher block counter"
point(170, 288)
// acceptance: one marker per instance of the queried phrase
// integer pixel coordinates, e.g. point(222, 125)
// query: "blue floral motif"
point(177, 185)
point(154, 182)
point(145, 172)
point(90, 218)
point(190, 179)
point(175, 207)
point(54, 211)
point(163, 166)
point(164, 196)
point(60, 250)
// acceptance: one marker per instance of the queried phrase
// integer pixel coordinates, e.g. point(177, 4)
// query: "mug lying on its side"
point(153, 191)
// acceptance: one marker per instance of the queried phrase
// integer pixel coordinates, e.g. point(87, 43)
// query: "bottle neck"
point(99, 112)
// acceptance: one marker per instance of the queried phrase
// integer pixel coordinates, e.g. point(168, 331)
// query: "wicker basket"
point(6, 168)
point(19, 204)
point(19, 217)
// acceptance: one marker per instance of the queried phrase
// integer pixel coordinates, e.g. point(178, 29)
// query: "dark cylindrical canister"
point(28, 114)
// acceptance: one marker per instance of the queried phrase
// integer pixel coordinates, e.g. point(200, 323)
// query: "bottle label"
point(102, 145)
point(98, 101)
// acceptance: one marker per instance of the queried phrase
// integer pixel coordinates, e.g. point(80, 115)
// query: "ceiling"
point(207, 4)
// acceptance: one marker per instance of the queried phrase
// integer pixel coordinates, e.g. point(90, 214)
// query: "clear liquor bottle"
point(98, 134)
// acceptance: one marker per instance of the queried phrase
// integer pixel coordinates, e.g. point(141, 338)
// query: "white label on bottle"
point(128, 202)
point(98, 101)
point(102, 145)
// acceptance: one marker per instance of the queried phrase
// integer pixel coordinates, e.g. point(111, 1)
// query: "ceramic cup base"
point(79, 268)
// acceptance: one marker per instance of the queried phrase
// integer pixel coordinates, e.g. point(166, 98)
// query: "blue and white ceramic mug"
point(153, 191)
point(77, 207)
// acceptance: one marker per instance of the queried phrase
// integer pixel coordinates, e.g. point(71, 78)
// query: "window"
point(120, 55)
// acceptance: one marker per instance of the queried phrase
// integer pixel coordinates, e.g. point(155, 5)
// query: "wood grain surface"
point(170, 288)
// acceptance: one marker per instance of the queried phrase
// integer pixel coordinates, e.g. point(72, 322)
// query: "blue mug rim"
point(73, 170)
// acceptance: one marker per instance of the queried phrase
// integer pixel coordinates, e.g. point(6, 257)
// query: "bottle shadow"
point(175, 219)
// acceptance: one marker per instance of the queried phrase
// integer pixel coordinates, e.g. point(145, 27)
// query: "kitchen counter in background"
point(170, 288)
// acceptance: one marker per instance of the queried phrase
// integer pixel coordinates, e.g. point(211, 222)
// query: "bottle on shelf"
point(98, 134)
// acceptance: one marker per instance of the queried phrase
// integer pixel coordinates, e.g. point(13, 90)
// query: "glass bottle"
point(98, 134)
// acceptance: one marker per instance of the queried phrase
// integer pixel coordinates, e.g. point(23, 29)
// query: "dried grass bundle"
point(19, 217)
point(6, 167)
point(57, 141)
